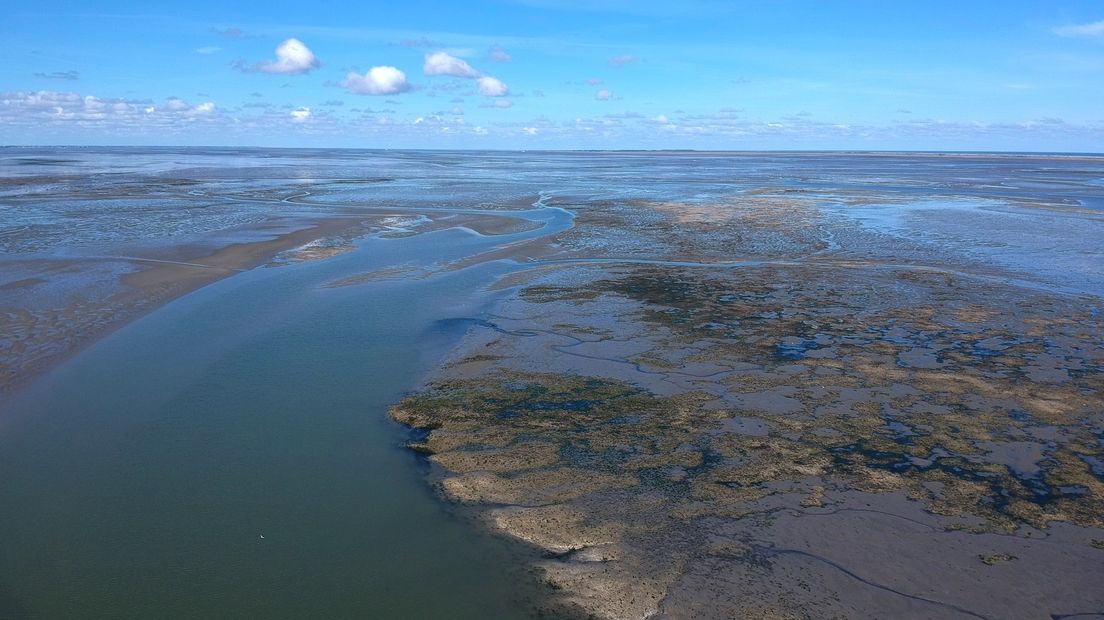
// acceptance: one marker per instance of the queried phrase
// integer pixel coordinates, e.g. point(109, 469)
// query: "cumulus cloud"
point(1093, 29)
point(62, 117)
point(492, 87)
point(498, 54)
point(292, 58)
point(175, 104)
point(622, 60)
point(603, 95)
point(441, 63)
point(383, 80)
point(46, 107)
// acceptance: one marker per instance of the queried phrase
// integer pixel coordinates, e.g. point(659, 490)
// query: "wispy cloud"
point(659, 8)
point(208, 49)
point(293, 57)
point(59, 75)
point(300, 115)
point(1092, 29)
point(382, 80)
point(603, 95)
point(498, 54)
point(230, 33)
point(421, 41)
point(622, 60)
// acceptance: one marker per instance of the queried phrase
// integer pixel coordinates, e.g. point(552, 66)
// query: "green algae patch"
point(870, 392)
point(518, 430)
point(681, 437)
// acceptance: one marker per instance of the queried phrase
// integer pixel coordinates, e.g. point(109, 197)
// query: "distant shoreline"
point(874, 152)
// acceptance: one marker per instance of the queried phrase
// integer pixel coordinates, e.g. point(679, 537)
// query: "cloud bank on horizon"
point(541, 74)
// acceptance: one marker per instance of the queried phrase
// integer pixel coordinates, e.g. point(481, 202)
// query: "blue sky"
point(702, 74)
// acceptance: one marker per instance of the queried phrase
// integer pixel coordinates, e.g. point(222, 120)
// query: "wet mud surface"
point(85, 251)
point(709, 385)
point(758, 408)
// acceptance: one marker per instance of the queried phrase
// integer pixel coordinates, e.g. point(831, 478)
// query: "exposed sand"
point(71, 302)
point(826, 423)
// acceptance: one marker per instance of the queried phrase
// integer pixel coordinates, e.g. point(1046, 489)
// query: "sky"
point(549, 74)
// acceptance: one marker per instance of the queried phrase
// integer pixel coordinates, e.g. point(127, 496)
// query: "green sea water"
point(229, 456)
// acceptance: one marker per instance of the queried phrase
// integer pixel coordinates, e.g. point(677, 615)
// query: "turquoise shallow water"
point(140, 478)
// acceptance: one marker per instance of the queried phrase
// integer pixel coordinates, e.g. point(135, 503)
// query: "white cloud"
point(210, 49)
point(1093, 29)
point(292, 58)
point(498, 54)
point(603, 95)
point(661, 119)
point(622, 60)
point(492, 87)
point(479, 131)
point(377, 81)
point(441, 63)
point(175, 104)
point(300, 115)
point(532, 131)
point(45, 107)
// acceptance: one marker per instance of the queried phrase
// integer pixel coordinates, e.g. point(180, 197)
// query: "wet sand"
point(122, 288)
point(759, 410)
point(101, 294)
point(699, 391)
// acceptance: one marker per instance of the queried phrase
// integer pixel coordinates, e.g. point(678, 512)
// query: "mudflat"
point(768, 407)
point(679, 385)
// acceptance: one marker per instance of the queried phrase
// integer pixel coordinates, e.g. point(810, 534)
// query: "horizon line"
point(563, 150)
